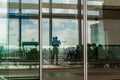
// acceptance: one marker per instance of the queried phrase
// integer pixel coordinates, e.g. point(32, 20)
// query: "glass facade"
point(60, 37)
point(3, 39)
point(103, 39)
point(19, 41)
point(73, 39)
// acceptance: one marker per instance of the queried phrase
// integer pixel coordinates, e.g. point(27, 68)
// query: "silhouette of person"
point(89, 52)
point(55, 44)
point(78, 53)
point(101, 52)
point(70, 55)
point(95, 51)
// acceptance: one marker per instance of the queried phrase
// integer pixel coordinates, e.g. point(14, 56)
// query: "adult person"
point(55, 44)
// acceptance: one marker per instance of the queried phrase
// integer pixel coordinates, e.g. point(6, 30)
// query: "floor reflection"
point(77, 73)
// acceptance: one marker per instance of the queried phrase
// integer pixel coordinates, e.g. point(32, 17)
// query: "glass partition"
point(3, 40)
point(63, 36)
point(23, 40)
point(103, 40)
point(62, 52)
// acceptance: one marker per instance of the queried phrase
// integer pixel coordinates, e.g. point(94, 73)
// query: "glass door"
point(103, 39)
point(62, 52)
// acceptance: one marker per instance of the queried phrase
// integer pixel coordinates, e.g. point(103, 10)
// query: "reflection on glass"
point(45, 32)
point(67, 31)
point(3, 39)
point(29, 30)
point(103, 40)
point(62, 51)
point(13, 32)
point(19, 49)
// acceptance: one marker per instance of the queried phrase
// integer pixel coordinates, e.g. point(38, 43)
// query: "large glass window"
point(13, 32)
point(62, 43)
point(21, 35)
point(19, 40)
point(103, 40)
point(29, 30)
point(45, 31)
point(62, 40)
point(3, 39)
point(67, 30)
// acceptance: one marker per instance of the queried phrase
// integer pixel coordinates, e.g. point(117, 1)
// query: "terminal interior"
point(62, 39)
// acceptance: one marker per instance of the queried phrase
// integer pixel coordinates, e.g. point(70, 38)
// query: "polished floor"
point(77, 74)
point(56, 72)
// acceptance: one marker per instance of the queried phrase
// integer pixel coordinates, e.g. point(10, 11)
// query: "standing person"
point(55, 44)
point(95, 51)
point(89, 52)
point(77, 53)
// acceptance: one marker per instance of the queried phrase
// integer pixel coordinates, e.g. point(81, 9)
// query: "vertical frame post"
point(40, 39)
point(79, 22)
point(20, 24)
point(85, 39)
point(50, 22)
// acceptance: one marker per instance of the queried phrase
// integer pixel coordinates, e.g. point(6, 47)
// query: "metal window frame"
point(40, 38)
point(85, 36)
